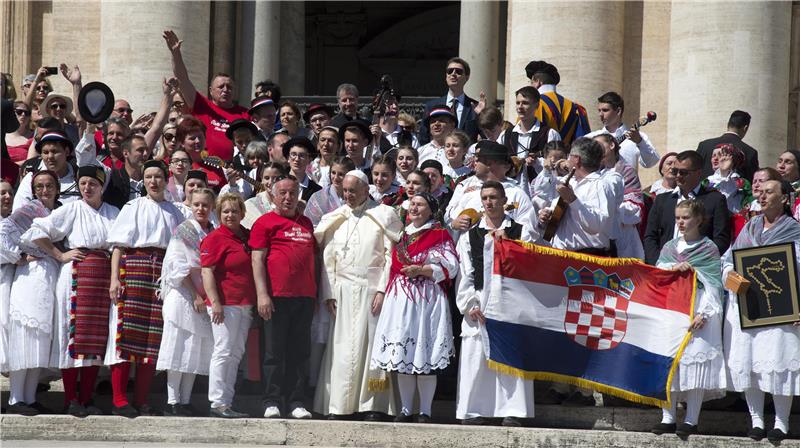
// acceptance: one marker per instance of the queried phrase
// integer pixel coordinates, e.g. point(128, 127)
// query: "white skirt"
point(413, 335)
point(31, 347)
point(111, 357)
point(767, 358)
point(59, 356)
point(183, 351)
point(702, 365)
point(483, 392)
point(6, 279)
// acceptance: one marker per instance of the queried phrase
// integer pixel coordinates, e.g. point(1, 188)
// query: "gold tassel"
point(602, 261)
point(377, 384)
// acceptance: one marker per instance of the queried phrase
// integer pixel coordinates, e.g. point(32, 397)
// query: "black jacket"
point(118, 192)
point(312, 188)
point(661, 222)
point(750, 166)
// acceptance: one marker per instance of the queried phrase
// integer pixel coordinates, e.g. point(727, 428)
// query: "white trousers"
point(229, 343)
point(23, 386)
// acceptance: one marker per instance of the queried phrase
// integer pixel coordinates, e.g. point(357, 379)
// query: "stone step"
point(187, 431)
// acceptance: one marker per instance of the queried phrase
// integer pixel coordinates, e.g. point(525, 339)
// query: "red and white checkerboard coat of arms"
point(597, 308)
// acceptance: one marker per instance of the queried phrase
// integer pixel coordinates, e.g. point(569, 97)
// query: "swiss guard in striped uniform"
point(558, 112)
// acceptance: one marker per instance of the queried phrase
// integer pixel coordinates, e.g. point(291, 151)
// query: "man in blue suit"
point(462, 106)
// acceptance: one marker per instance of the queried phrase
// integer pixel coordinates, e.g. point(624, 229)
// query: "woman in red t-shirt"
point(191, 136)
point(230, 290)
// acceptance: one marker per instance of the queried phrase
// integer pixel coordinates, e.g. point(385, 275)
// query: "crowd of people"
point(355, 245)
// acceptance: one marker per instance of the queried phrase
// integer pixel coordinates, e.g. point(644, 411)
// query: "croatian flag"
point(614, 325)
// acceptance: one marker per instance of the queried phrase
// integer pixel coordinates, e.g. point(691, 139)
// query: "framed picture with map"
point(772, 298)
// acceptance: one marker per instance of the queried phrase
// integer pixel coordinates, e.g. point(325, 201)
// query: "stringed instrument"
point(642, 121)
point(216, 162)
point(475, 215)
point(379, 102)
point(559, 207)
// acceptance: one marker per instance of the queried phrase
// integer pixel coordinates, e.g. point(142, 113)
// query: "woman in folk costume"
point(7, 268)
point(702, 367)
point(262, 202)
point(81, 332)
point(414, 336)
point(139, 236)
point(384, 189)
point(765, 359)
point(194, 179)
point(482, 391)
point(331, 196)
point(31, 299)
point(186, 342)
point(629, 244)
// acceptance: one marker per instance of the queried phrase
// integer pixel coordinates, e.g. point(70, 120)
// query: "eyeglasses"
point(168, 137)
point(22, 112)
point(681, 172)
point(456, 70)
point(179, 161)
point(122, 110)
point(298, 155)
point(43, 187)
point(57, 106)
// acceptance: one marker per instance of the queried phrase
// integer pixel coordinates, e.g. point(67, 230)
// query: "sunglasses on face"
point(177, 105)
point(456, 70)
point(122, 110)
point(680, 172)
point(22, 112)
point(169, 137)
point(42, 88)
point(26, 86)
point(58, 106)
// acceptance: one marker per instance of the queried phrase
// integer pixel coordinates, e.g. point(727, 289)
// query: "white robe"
point(80, 226)
point(254, 208)
point(483, 392)
point(357, 248)
point(186, 341)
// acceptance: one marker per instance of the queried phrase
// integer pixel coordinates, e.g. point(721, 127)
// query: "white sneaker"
point(300, 412)
point(272, 412)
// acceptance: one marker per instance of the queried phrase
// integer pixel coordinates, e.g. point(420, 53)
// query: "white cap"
point(358, 174)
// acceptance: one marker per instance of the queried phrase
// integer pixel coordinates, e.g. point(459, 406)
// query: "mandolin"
point(559, 207)
point(642, 121)
point(216, 162)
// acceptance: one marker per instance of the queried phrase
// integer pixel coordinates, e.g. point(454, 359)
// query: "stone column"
point(135, 59)
point(584, 40)
point(15, 29)
point(266, 41)
point(794, 85)
point(293, 48)
point(716, 68)
point(223, 39)
point(478, 45)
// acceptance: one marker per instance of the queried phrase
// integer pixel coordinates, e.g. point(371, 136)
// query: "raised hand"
point(72, 75)
point(481, 103)
point(173, 43)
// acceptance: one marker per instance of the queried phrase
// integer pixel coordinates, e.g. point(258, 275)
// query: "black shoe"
point(42, 387)
point(511, 421)
point(22, 409)
point(172, 410)
point(685, 430)
point(775, 435)
point(550, 397)
point(373, 417)
point(423, 418)
point(756, 433)
point(335, 417)
point(577, 399)
point(146, 410)
point(474, 421)
point(76, 410)
point(186, 410)
point(226, 412)
point(91, 409)
point(40, 408)
point(126, 411)
point(403, 418)
point(664, 428)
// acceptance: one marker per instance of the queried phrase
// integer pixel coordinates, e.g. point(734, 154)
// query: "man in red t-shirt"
point(217, 110)
point(284, 253)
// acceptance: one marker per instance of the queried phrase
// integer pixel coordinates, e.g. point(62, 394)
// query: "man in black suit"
point(298, 152)
point(347, 97)
point(126, 183)
point(661, 220)
point(462, 106)
point(738, 125)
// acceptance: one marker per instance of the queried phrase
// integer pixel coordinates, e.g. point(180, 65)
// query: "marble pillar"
point(134, 59)
point(223, 38)
point(266, 41)
point(15, 29)
point(293, 48)
point(794, 80)
point(478, 45)
point(728, 56)
point(584, 40)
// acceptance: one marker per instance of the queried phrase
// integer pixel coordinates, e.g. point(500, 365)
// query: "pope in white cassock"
point(356, 241)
